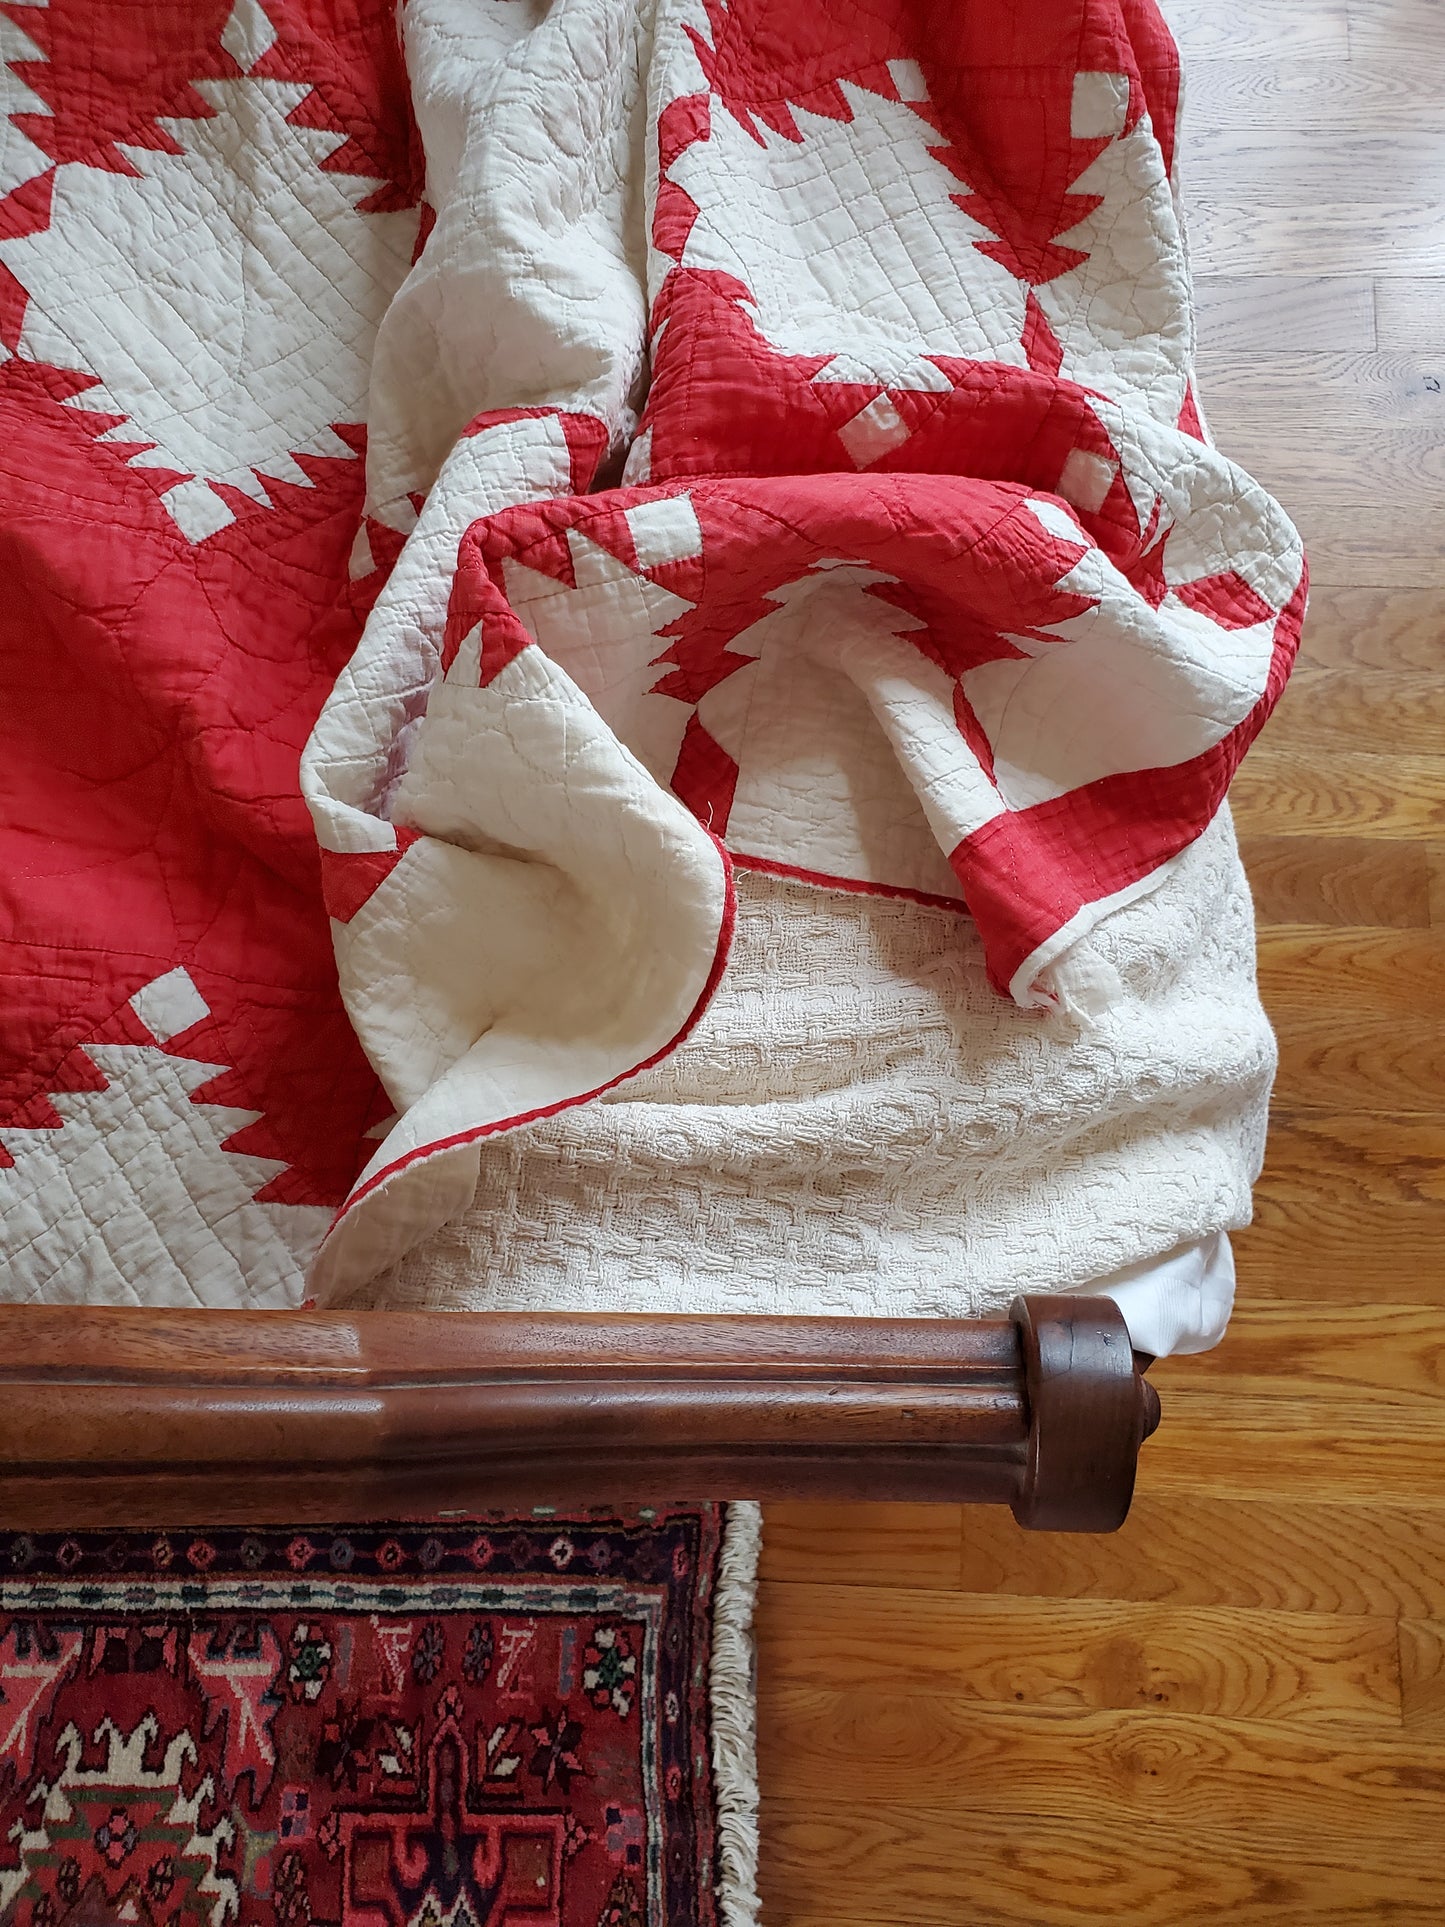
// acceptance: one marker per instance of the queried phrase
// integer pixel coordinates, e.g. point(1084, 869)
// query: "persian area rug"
point(508, 1720)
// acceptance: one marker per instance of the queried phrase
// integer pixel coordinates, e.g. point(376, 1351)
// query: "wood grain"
point(1365, 1196)
point(1344, 795)
point(1314, 1447)
point(1395, 1354)
point(1409, 28)
point(1343, 709)
point(1260, 29)
point(1379, 627)
point(1410, 317)
point(1168, 1768)
point(1354, 973)
point(1338, 881)
point(1368, 1061)
point(1284, 167)
point(123, 1416)
point(1392, 463)
point(1303, 1667)
point(863, 1545)
point(1314, 94)
point(1402, 236)
point(883, 1863)
point(1389, 548)
point(1196, 1549)
point(1312, 313)
point(1329, 396)
point(1422, 1677)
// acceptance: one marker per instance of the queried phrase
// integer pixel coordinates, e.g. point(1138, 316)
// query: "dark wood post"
point(151, 1418)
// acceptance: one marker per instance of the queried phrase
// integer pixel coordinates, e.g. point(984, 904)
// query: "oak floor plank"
point(1263, 29)
point(1422, 1677)
point(1389, 464)
point(1357, 1016)
point(1338, 880)
point(1385, 1253)
point(1309, 1668)
point(1400, 629)
point(1171, 1769)
point(1197, 1549)
point(1381, 711)
point(1331, 397)
point(1347, 548)
point(1328, 1061)
point(1318, 1448)
point(1321, 314)
point(1391, 1161)
point(1392, 1353)
point(1403, 29)
point(1354, 1205)
point(1410, 317)
point(1073, 1871)
point(1402, 236)
point(1291, 167)
point(863, 1545)
point(1351, 972)
point(1282, 790)
point(1366, 93)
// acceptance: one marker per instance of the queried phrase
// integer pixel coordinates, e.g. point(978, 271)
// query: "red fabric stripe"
point(349, 878)
point(855, 886)
point(1029, 872)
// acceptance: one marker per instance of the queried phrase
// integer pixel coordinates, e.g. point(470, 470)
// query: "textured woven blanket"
point(859, 1126)
point(779, 450)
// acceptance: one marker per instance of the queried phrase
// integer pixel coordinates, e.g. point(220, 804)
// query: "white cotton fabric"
point(497, 971)
point(1177, 1304)
point(860, 1125)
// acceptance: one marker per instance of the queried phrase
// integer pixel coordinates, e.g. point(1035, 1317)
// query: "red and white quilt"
point(628, 439)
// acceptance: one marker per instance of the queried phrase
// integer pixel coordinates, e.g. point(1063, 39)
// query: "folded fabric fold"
point(791, 419)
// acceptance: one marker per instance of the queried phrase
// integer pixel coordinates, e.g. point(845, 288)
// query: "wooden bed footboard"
point(163, 1418)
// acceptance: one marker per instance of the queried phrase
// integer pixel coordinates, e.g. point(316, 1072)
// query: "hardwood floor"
point(1236, 1707)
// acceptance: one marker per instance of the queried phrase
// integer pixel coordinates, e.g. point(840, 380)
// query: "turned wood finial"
point(1089, 1411)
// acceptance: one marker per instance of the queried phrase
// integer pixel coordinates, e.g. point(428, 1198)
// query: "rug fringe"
point(734, 1715)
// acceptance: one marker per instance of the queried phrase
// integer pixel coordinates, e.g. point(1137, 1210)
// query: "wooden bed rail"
point(165, 1418)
